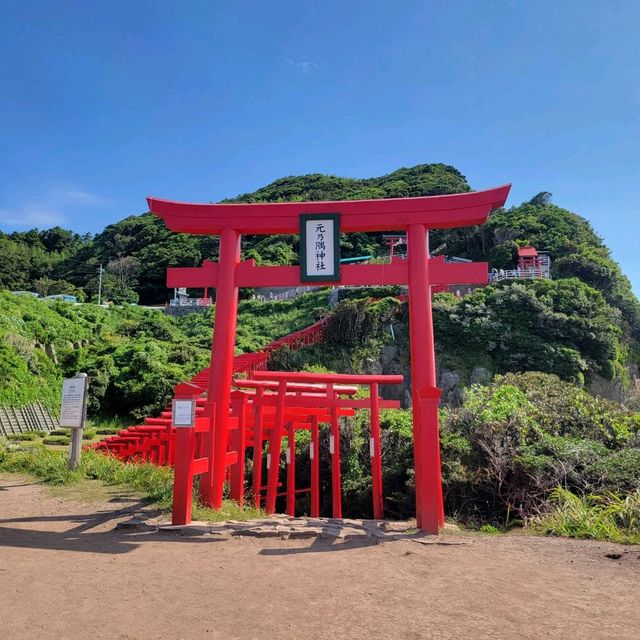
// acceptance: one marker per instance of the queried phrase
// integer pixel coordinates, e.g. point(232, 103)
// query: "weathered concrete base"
point(288, 528)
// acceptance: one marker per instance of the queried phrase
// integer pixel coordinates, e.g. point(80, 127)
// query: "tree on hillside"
point(544, 197)
point(124, 271)
point(563, 327)
point(59, 240)
point(112, 290)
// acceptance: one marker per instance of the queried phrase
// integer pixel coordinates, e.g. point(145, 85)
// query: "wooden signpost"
point(73, 413)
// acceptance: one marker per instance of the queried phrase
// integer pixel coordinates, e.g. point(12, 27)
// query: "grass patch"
point(597, 517)
point(490, 529)
point(150, 481)
point(104, 425)
point(230, 511)
point(23, 437)
point(56, 440)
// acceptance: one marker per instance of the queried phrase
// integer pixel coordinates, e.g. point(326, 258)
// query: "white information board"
point(73, 402)
point(184, 413)
point(320, 247)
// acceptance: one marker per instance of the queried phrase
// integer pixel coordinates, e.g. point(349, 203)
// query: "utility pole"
point(100, 272)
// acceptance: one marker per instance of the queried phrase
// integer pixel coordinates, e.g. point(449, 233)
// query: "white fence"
point(497, 276)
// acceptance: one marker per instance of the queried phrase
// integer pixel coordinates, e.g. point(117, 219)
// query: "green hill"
point(137, 250)
point(536, 347)
point(583, 326)
point(134, 356)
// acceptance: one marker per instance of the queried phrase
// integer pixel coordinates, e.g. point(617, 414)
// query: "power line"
point(88, 262)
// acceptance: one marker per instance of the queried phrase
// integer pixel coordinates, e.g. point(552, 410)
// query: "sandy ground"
point(66, 573)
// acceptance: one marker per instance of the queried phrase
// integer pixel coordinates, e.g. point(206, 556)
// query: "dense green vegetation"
point(504, 451)
point(137, 250)
point(608, 517)
point(511, 443)
point(558, 326)
point(562, 327)
point(134, 356)
point(575, 249)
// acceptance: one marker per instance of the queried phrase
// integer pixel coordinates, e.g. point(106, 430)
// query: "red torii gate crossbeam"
point(415, 216)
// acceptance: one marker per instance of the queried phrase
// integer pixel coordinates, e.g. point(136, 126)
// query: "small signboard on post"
point(320, 247)
point(72, 408)
point(73, 413)
point(183, 414)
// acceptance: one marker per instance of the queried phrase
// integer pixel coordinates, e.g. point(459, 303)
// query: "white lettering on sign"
point(311, 451)
point(184, 413)
point(331, 445)
point(288, 456)
point(372, 447)
point(73, 400)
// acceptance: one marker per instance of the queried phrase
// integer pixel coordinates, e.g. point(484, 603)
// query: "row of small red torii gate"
point(274, 405)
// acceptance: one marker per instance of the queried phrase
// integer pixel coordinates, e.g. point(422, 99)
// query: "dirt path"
point(65, 573)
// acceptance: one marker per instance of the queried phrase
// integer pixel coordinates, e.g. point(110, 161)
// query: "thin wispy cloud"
point(79, 196)
point(27, 216)
point(306, 66)
point(51, 208)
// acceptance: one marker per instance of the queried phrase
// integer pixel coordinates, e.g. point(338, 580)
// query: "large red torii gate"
point(415, 216)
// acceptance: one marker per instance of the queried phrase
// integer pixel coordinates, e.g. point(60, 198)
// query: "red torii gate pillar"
point(429, 506)
point(221, 373)
point(416, 216)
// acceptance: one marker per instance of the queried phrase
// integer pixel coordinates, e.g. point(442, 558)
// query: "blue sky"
point(103, 104)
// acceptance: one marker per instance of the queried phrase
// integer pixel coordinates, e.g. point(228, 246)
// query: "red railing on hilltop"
point(154, 440)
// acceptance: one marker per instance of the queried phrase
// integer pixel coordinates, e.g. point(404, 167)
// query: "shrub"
point(22, 437)
point(511, 443)
point(56, 440)
point(601, 517)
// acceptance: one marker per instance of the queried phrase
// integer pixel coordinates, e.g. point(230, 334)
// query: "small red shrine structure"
point(530, 261)
point(393, 241)
point(219, 449)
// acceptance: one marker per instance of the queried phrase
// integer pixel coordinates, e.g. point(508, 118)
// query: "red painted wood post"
point(291, 469)
point(423, 368)
point(257, 448)
point(168, 446)
point(185, 448)
point(237, 440)
point(275, 449)
point(183, 476)
point(204, 438)
point(314, 454)
point(376, 453)
point(222, 350)
point(334, 450)
point(432, 511)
